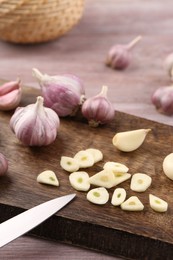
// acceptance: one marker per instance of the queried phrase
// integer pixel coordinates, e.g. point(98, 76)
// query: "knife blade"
point(24, 222)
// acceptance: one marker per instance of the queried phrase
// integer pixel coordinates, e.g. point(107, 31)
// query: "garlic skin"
point(10, 95)
point(35, 125)
point(63, 93)
point(119, 56)
point(168, 65)
point(98, 109)
point(3, 164)
point(162, 99)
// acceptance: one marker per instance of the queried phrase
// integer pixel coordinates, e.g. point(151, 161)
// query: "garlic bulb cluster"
point(98, 109)
point(119, 55)
point(3, 164)
point(35, 125)
point(63, 93)
point(10, 95)
point(162, 98)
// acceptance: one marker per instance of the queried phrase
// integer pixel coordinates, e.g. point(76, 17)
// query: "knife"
point(24, 222)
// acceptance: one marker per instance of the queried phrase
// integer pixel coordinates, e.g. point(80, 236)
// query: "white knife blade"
point(24, 222)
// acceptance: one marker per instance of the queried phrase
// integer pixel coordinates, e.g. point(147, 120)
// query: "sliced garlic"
point(96, 153)
point(103, 178)
point(79, 180)
point(98, 196)
point(140, 182)
point(157, 204)
point(48, 177)
point(130, 140)
point(69, 164)
point(84, 159)
point(118, 196)
point(115, 167)
point(168, 166)
point(121, 177)
point(132, 204)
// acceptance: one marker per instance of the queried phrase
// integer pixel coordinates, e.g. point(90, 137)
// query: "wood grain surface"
point(82, 52)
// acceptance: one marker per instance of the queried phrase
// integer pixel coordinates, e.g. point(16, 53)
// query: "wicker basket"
point(34, 21)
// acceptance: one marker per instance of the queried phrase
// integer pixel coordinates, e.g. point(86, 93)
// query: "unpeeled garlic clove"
point(35, 125)
point(3, 164)
point(168, 166)
point(10, 95)
point(162, 99)
point(119, 55)
point(98, 109)
point(130, 140)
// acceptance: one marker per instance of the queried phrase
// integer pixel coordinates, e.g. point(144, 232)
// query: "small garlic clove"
point(168, 166)
point(98, 109)
point(79, 181)
point(3, 164)
point(98, 196)
point(130, 140)
point(10, 95)
point(157, 204)
point(48, 177)
point(35, 125)
point(63, 93)
point(140, 182)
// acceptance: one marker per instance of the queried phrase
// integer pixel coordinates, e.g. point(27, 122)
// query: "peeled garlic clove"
point(157, 204)
point(84, 159)
point(140, 182)
point(63, 93)
point(98, 109)
point(168, 166)
point(48, 177)
point(10, 95)
point(115, 167)
point(118, 196)
point(3, 164)
point(132, 204)
point(35, 125)
point(96, 153)
point(130, 140)
point(103, 178)
point(79, 181)
point(119, 55)
point(162, 99)
point(98, 196)
point(69, 164)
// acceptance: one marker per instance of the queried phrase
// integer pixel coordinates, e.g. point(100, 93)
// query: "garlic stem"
point(134, 42)
point(37, 74)
point(104, 91)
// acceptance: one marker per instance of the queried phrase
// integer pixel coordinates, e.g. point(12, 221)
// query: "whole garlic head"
point(35, 125)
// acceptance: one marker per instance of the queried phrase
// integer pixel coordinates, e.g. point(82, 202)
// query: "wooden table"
point(82, 52)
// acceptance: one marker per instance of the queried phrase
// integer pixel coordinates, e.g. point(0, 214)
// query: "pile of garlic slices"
point(112, 174)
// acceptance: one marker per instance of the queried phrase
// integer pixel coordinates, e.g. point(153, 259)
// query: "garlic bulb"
point(63, 93)
point(35, 125)
point(10, 95)
point(98, 109)
point(119, 55)
point(162, 98)
point(3, 164)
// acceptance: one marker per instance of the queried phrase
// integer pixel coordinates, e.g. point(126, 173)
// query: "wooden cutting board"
point(134, 235)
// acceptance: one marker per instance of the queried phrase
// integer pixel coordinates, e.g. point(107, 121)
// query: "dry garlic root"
point(79, 181)
point(84, 159)
point(115, 167)
point(157, 204)
point(130, 140)
point(118, 196)
point(132, 204)
point(168, 166)
point(48, 177)
point(98, 196)
point(140, 182)
point(69, 164)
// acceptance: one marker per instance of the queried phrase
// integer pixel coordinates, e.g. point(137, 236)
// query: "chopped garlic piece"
point(97, 154)
point(157, 204)
point(132, 204)
point(48, 177)
point(118, 196)
point(98, 196)
point(121, 177)
point(115, 167)
point(79, 180)
point(84, 159)
point(103, 178)
point(69, 164)
point(140, 182)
